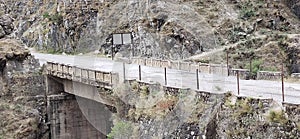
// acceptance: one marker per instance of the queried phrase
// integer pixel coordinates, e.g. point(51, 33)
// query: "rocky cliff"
point(22, 90)
point(266, 31)
point(167, 29)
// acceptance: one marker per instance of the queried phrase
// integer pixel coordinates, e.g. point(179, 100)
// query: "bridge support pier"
point(73, 117)
point(67, 121)
point(53, 85)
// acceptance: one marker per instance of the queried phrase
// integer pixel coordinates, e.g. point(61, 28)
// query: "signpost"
point(120, 39)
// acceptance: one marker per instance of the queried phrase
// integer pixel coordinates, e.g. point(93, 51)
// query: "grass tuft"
point(277, 117)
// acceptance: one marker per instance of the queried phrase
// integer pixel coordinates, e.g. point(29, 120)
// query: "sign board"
point(117, 39)
point(127, 38)
point(122, 38)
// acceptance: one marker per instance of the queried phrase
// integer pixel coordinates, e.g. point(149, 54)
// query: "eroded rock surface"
point(22, 89)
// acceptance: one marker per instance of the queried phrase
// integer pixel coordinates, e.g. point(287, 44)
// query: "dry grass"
point(277, 116)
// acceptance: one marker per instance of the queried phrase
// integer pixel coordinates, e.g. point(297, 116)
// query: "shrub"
point(144, 90)
point(243, 108)
point(4, 107)
point(203, 61)
point(277, 117)
point(46, 15)
point(120, 130)
point(53, 51)
point(17, 108)
point(255, 66)
point(247, 11)
point(56, 18)
point(260, 105)
point(135, 86)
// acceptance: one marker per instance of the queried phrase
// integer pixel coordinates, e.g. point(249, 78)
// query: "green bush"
point(243, 108)
point(53, 51)
point(144, 90)
point(46, 15)
point(277, 117)
point(247, 11)
point(255, 66)
point(203, 61)
point(56, 18)
point(260, 105)
point(135, 86)
point(121, 130)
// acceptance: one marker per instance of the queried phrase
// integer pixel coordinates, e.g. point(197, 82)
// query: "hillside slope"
point(167, 29)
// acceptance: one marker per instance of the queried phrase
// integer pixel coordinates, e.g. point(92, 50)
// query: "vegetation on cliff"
point(155, 113)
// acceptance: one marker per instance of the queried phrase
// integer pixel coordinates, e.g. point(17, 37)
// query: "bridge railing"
point(83, 75)
point(185, 66)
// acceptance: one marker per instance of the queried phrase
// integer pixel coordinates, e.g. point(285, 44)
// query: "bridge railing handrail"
point(182, 65)
point(85, 75)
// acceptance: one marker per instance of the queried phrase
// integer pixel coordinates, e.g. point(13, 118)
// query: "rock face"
point(294, 6)
point(21, 93)
point(84, 26)
point(168, 29)
point(252, 118)
point(6, 25)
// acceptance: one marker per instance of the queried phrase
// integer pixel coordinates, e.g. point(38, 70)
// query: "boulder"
point(6, 25)
point(6, 20)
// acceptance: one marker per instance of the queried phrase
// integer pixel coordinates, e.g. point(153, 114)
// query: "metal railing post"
point(238, 81)
point(140, 73)
point(166, 83)
point(197, 77)
point(282, 82)
point(124, 74)
point(95, 76)
point(80, 74)
point(227, 57)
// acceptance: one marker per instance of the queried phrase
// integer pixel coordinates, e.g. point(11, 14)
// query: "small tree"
point(121, 130)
